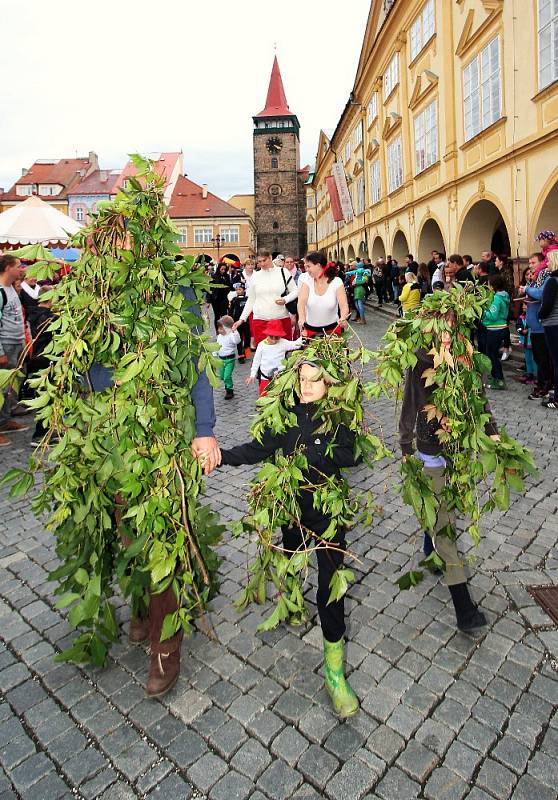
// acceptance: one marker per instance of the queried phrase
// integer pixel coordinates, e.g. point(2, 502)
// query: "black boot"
point(469, 618)
point(229, 394)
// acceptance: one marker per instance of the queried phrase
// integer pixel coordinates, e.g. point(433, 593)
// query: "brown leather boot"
point(164, 667)
point(139, 630)
point(164, 671)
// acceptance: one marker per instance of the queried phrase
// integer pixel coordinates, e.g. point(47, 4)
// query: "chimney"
point(24, 172)
point(204, 191)
point(93, 160)
point(103, 175)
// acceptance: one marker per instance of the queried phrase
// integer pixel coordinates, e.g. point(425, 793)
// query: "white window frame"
point(375, 182)
point(547, 26)
point(360, 195)
point(373, 108)
point(203, 234)
point(358, 134)
point(230, 234)
point(391, 76)
point(423, 28)
point(182, 237)
point(482, 90)
point(80, 216)
point(24, 189)
point(347, 151)
point(426, 137)
point(395, 164)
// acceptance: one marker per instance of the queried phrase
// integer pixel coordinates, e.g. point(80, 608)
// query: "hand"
point(3, 361)
point(249, 380)
point(237, 324)
point(280, 301)
point(206, 450)
point(495, 437)
point(342, 323)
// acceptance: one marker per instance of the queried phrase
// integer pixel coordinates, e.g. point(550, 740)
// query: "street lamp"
point(217, 242)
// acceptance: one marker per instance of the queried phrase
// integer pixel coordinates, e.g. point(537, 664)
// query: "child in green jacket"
point(495, 320)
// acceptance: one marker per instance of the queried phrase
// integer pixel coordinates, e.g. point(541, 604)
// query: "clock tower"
point(280, 197)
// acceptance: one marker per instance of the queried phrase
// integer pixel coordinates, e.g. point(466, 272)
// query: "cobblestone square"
point(444, 715)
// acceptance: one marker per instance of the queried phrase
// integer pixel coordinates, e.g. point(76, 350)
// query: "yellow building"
point(449, 137)
point(245, 202)
point(209, 225)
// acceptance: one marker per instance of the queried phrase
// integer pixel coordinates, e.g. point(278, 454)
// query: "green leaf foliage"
point(121, 488)
point(482, 469)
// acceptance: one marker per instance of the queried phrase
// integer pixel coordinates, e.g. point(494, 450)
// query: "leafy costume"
point(446, 412)
point(123, 470)
point(302, 491)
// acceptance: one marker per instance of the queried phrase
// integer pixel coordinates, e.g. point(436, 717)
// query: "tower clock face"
point(275, 190)
point(274, 145)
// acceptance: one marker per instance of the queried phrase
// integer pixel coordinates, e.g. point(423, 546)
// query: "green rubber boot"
point(345, 702)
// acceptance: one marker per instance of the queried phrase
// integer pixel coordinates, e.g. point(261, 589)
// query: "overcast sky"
point(121, 76)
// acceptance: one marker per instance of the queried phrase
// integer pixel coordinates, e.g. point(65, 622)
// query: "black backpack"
point(3, 300)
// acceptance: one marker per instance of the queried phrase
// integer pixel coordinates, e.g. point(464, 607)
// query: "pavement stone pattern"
point(444, 715)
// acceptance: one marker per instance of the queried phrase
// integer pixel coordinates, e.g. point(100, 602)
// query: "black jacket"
point(304, 434)
point(237, 306)
point(414, 418)
point(550, 296)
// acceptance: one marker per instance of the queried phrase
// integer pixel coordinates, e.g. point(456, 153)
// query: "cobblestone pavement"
point(444, 715)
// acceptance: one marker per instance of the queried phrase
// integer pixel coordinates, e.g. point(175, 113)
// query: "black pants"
point(493, 344)
point(332, 616)
point(244, 343)
point(542, 360)
point(551, 333)
point(380, 291)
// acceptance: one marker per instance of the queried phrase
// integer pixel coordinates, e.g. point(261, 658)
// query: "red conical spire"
point(276, 104)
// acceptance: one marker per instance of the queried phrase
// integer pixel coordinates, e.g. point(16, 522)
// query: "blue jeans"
point(360, 308)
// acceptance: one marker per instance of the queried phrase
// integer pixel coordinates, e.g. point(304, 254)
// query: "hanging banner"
point(343, 190)
point(336, 210)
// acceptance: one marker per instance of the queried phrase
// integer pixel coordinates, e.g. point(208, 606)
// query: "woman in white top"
point(322, 300)
point(270, 289)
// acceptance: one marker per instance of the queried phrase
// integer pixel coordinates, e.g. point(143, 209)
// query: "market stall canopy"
point(33, 222)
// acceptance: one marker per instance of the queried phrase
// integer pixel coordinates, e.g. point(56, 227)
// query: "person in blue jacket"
point(165, 656)
point(533, 291)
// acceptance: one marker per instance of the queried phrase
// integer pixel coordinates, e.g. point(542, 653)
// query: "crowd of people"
point(311, 296)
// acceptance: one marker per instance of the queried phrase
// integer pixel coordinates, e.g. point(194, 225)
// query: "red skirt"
point(259, 325)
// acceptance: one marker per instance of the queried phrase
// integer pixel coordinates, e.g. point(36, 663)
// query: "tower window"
point(274, 163)
point(275, 226)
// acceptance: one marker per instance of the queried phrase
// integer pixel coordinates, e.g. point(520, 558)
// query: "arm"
point(491, 313)
point(535, 292)
point(252, 452)
point(343, 304)
point(342, 454)
point(257, 361)
point(548, 297)
point(292, 295)
point(247, 308)
point(404, 296)
point(303, 294)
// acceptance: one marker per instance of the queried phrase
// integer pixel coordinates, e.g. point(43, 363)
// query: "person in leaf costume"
point(309, 427)
point(127, 394)
point(464, 465)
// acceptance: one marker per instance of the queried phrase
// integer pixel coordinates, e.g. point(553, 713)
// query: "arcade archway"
point(484, 228)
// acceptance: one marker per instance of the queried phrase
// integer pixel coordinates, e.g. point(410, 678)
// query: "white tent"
point(35, 222)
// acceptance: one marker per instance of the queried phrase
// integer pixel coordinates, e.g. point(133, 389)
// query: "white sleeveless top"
point(321, 310)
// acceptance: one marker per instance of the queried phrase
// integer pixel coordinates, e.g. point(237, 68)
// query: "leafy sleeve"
point(252, 452)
